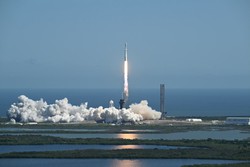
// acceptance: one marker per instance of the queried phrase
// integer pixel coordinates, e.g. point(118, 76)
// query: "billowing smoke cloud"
point(28, 110)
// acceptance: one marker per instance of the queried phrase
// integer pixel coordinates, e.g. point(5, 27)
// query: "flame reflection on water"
point(126, 163)
point(127, 136)
point(128, 147)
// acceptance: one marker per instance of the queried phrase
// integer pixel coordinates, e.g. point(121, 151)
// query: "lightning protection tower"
point(162, 101)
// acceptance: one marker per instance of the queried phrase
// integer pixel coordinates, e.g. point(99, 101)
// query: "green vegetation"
point(199, 149)
point(106, 128)
point(129, 153)
point(220, 165)
point(170, 125)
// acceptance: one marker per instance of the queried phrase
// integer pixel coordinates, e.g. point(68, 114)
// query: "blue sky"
point(80, 43)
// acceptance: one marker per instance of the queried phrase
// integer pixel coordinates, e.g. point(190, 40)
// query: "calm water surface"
point(225, 135)
point(107, 162)
point(60, 147)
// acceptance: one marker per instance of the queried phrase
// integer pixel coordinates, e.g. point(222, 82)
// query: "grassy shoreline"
point(128, 154)
point(199, 149)
point(106, 128)
point(169, 125)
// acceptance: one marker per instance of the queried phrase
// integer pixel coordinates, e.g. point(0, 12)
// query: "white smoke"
point(28, 110)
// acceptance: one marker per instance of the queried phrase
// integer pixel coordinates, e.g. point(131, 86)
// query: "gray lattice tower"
point(162, 100)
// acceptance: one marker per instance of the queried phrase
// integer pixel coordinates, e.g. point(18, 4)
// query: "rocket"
point(126, 53)
point(125, 79)
point(125, 88)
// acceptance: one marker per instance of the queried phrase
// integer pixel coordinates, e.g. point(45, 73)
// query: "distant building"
point(238, 120)
point(194, 120)
point(31, 123)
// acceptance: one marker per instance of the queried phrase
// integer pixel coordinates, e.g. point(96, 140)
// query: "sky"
point(80, 43)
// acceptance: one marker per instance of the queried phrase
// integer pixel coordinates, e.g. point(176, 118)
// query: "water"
point(61, 147)
point(108, 162)
point(179, 102)
point(223, 135)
